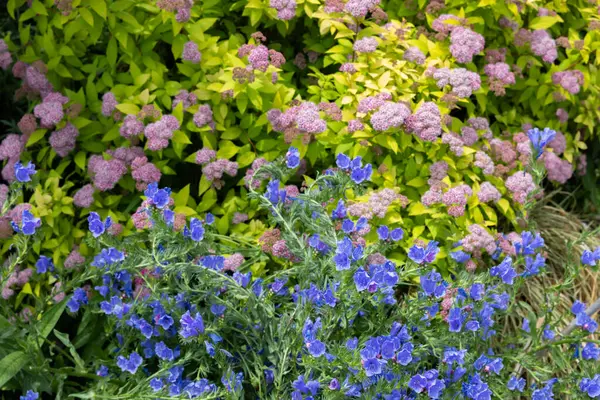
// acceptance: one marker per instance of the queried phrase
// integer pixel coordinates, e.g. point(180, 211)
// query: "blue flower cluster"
point(354, 167)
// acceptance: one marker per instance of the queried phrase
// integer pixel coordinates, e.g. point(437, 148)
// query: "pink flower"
point(414, 54)
point(131, 127)
point(105, 173)
point(484, 162)
point(204, 116)
point(488, 192)
point(463, 81)
point(389, 115)
point(558, 144)
point(204, 156)
point(464, 44)
point(191, 53)
point(365, 45)
point(109, 102)
point(360, 8)
point(355, 125)
point(558, 170)
point(543, 45)
point(50, 113)
point(144, 172)
point(63, 141)
point(238, 218)
point(158, 134)
point(84, 196)
point(563, 115)
point(27, 124)
point(521, 185)
point(440, 25)
point(571, 81)
point(286, 9)
point(12, 146)
point(478, 239)
point(348, 67)
point(426, 122)
point(455, 142)
point(233, 262)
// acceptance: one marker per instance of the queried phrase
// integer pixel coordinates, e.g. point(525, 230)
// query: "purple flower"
point(417, 383)
point(163, 352)
point(424, 255)
point(292, 158)
point(540, 139)
point(316, 348)
point(79, 297)
point(28, 223)
point(548, 333)
point(455, 319)
point(115, 307)
point(373, 366)
point(30, 395)
point(218, 309)
point(96, 226)
point(590, 258)
point(23, 173)
point(433, 285)
point(505, 271)
point(590, 351)
point(515, 383)
point(130, 365)
point(460, 256)
point(44, 264)
point(361, 279)
point(383, 232)
point(102, 371)
point(529, 243)
point(591, 386)
point(161, 198)
point(340, 210)
point(156, 384)
point(397, 234)
point(195, 231)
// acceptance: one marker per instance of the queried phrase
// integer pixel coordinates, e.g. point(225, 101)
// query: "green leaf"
point(86, 15)
point(204, 185)
point(64, 338)
point(11, 364)
point(182, 197)
point(111, 52)
point(181, 137)
point(544, 22)
point(417, 182)
point(504, 205)
point(242, 102)
point(36, 137)
point(227, 149)
point(126, 108)
point(208, 200)
point(100, 7)
point(49, 320)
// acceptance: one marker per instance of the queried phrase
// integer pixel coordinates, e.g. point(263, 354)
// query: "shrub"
point(180, 311)
point(164, 80)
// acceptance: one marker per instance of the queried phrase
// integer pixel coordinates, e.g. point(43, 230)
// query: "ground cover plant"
point(298, 199)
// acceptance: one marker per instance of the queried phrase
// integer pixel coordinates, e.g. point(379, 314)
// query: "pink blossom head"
point(520, 184)
point(84, 196)
point(191, 53)
point(63, 140)
point(389, 115)
point(544, 46)
point(355, 125)
point(27, 124)
point(11, 147)
point(204, 156)
point(49, 113)
point(559, 170)
point(415, 55)
point(488, 193)
point(464, 44)
point(360, 8)
point(365, 45)
point(426, 122)
point(286, 9)
point(109, 103)
point(563, 115)
point(131, 127)
point(204, 116)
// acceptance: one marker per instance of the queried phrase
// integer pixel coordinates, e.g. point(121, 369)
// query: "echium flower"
point(540, 139)
point(28, 223)
point(292, 157)
point(422, 255)
point(23, 173)
point(195, 231)
point(159, 197)
point(96, 226)
point(358, 173)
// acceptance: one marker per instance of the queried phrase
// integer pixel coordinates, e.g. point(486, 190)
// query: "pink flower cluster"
point(562, 115)
point(286, 9)
point(365, 45)
point(144, 172)
point(479, 239)
point(348, 67)
point(456, 199)
point(109, 102)
point(27, 124)
point(463, 81)
point(571, 81)
point(10, 149)
point(304, 118)
point(63, 140)
point(204, 116)
point(389, 115)
point(355, 125)
point(438, 171)
point(426, 122)
point(5, 56)
point(158, 133)
point(372, 103)
point(377, 205)
point(188, 99)
point(520, 185)
point(131, 127)
point(214, 170)
point(558, 170)
point(256, 164)
point(35, 79)
point(84, 196)
point(440, 25)
point(332, 110)
point(481, 124)
point(50, 111)
point(260, 57)
point(455, 142)
point(464, 44)
point(483, 161)
point(16, 279)
point(204, 156)
point(74, 259)
point(239, 218)
point(414, 54)
point(488, 192)
point(105, 173)
point(233, 262)
point(126, 154)
point(182, 7)
point(360, 8)
point(544, 46)
point(191, 53)
point(500, 76)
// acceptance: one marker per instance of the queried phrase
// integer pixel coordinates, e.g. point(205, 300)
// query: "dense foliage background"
point(446, 106)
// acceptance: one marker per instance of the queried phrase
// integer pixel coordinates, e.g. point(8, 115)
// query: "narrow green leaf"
point(64, 338)
point(10, 365)
point(49, 320)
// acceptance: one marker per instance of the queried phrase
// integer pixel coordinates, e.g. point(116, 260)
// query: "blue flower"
point(533, 267)
point(455, 319)
point(525, 325)
point(79, 297)
point(130, 364)
point(23, 173)
point(96, 226)
point(590, 351)
point(273, 193)
point(427, 254)
point(102, 371)
point(218, 309)
point(340, 211)
point(44, 264)
point(28, 223)
point(165, 321)
point(476, 389)
point(358, 175)
point(361, 279)
point(304, 387)
point(590, 258)
point(292, 157)
point(383, 232)
point(352, 343)
point(156, 384)
point(108, 257)
point(334, 384)
point(505, 271)
point(342, 161)
point(548, 333)
point(233, 382)
point(115, 307)
point(529, 243)
point(477, 291)
point(348, 226)
point(316, 348)
point(515, 383)
point(161, 198)
point(432, 284)
point(460, 256)
point(373, 366)
point(163, 352)
point(453, 355)
point(196, 230)
point(544, 393)
point(591, 386)
point(30, 395)
point(397, 234)
point(209, 219)
point(540, 139)
point(417, 383)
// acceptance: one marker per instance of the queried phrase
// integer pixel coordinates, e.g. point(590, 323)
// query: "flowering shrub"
point(129, 94)
point(177, 312)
